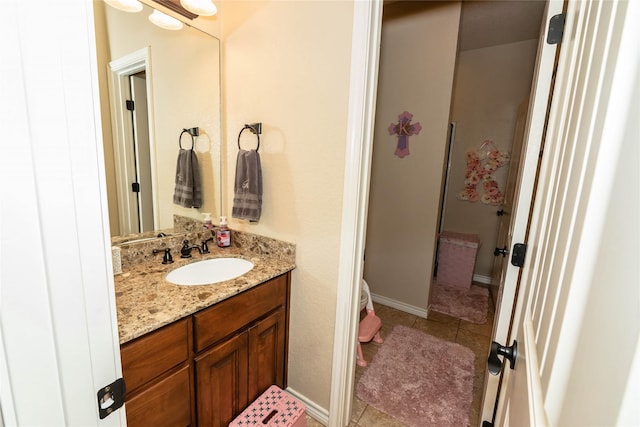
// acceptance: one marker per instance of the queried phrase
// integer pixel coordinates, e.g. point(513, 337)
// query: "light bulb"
point(165, 21)
point(200, 7)
point(125, 5)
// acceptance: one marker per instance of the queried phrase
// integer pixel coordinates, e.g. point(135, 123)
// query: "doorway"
point(391, 222)
point(479, 80)
point(130, 92)
point(141, 182)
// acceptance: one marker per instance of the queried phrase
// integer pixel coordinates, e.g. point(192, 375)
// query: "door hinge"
point(135, 187)
point(556, 29)
point(130, 105)
point(111, 397)
point(518, 254)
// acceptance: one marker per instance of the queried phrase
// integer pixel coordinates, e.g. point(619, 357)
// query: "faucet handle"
point(166, 258)
point(185, 251)
point(205, 246)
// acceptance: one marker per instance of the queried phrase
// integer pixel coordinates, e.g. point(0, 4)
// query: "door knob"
point(501, 212)
point(510, 353)
point(504, 251)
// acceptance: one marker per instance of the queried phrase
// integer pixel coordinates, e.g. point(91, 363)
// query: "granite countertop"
point(145, 301)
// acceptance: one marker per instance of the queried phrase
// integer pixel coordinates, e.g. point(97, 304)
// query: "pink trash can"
point(274, 408)
point(457, 258)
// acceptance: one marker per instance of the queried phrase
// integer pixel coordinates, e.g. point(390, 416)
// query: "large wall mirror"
point(173, 79)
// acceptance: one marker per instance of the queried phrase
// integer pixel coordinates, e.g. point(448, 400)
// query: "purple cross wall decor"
point(404, 128)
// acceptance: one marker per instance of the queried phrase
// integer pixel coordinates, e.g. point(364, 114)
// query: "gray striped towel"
point(188, 192)
point(247, 197)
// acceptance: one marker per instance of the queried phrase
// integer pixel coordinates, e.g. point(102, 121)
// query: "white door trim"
point(365, 53)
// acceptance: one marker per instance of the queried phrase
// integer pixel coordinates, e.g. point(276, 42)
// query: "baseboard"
point(412, 309)
point(315, 411)
point(482, 279)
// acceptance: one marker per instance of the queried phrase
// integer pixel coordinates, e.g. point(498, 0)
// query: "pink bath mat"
point(468, 304)
point(420, 380)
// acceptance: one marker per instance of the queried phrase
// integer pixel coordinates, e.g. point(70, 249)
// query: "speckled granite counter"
point(146, 301)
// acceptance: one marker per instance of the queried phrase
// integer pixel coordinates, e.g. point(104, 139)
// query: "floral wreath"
point(480, 168)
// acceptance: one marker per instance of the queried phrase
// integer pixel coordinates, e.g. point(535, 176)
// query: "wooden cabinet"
point(234, 371)
point(222, 381)
point(166, 403)
point(205, 369)
point(157, 373)
point(266, 355)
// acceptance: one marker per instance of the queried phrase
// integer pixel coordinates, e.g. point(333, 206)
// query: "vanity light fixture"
point(165, 21)
point(200, 7)
point(125, 5)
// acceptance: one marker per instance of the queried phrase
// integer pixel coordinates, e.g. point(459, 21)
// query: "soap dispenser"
point(207, 221)
point(223, 234)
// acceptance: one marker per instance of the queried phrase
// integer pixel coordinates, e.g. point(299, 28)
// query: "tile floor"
point(476, 337)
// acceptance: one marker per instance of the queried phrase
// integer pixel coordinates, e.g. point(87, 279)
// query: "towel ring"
point(180, 139)
point(255, 128)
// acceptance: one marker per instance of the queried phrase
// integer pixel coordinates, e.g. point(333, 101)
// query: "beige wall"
point(286, 64)
point(489, 86)
point(417, 62)
point(186, 93)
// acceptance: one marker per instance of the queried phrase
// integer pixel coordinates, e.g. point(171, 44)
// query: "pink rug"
point(468, 304)
point(420, 380)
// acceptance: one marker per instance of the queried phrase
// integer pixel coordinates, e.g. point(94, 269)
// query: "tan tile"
point(312, 422)
point(369, 350)
point(374, 418)
point(357, 408)
point(442, 318)
point(480, 346)
point(476, 402)
point(478, 343)
point(391, 317)
point(485, 329)
point(445, 331)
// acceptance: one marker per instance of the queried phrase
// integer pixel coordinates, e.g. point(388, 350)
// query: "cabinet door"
point(221, 382)
point(267, 353)
point(153, 354)
point(165, 404)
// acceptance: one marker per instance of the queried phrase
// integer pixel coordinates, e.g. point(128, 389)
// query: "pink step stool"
point(274, 408)
point(369, 328)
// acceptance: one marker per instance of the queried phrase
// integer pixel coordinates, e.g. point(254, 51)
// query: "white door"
point(58, 332)
point(577, 316)
point(142, 152)
point(523, 196)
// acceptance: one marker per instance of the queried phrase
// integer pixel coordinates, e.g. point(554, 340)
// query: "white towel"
point(188, 191)
point(247, 198)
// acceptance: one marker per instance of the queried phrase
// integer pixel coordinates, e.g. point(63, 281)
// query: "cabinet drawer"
point(165, 404)
point(154, 353)
point(226, 317)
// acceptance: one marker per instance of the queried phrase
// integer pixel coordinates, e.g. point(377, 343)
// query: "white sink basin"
point(209, 271)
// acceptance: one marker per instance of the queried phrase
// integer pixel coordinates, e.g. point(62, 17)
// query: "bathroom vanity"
point(198, 355)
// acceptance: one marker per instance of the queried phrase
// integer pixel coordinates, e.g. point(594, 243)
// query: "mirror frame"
point(211, 123)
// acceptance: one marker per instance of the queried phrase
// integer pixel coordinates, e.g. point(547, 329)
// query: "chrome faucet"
point(185, 251)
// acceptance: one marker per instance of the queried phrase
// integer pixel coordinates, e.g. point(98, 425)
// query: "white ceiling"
point(484, 23)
